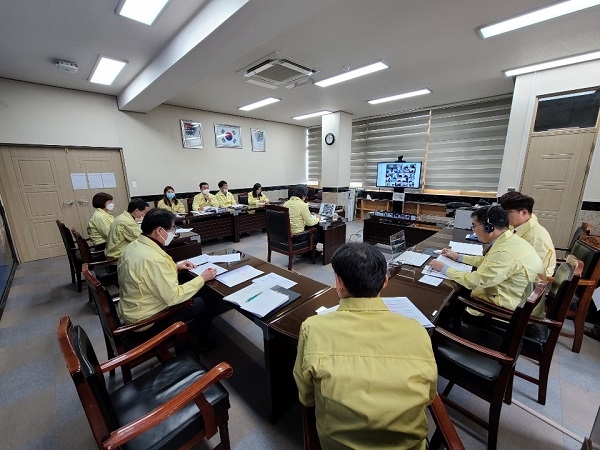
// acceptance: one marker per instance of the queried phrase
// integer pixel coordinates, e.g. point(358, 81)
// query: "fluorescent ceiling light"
point(145, 11)
point(574, 94)
point(552, 64)
point(265, 102)
point(352, 74)
point(399, 96)
point(537, 16)
point(106, 70)
point(315, 114)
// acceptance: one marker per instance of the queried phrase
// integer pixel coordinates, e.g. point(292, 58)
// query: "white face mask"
point(206, 192)
point(170, 236)
point(225, 191)
point(110, 206)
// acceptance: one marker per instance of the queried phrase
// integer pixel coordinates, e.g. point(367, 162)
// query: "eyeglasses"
point(475, 226)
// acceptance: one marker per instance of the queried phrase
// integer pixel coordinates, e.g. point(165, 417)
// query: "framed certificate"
point(228, 136)
point(258, 140)
point(191, 134)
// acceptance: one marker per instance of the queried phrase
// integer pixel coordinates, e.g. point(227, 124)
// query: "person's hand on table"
point(186, 265)
point(437, 265)
point(209, 274)
point(448, 253)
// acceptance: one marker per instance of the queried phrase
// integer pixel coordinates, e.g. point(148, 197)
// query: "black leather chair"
point(243, 199)
point(173, 405)
point(104, 268)
point(72, 253)
point(583, 229)
point(481, 361)
point(280, 238)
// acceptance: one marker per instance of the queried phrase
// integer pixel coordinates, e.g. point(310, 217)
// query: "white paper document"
point(247, 294)
point(467, 249)
point(95, 180)
point(404, 307)
point(231, 257)
point(184, 230)
point(239, 275)
point(323, 310)
point(201, 268)
point(411, 258)
point(428, 279)
point(198, 260)
point(108, 179)
point(449, 262)
point(264, 303)
point(272, 279)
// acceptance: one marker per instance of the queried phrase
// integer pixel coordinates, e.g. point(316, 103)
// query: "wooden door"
point(37, 189)
point(554, 175)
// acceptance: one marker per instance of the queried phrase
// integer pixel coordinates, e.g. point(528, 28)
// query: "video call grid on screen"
point(399, 174)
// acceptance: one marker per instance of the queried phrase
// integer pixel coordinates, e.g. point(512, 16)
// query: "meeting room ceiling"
point(426, 43)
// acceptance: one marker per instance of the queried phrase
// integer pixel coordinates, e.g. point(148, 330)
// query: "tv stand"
point(380, 226)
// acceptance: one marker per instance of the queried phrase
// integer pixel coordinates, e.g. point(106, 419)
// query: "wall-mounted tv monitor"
point(399, 174)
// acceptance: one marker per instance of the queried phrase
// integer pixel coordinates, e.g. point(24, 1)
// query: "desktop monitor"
point(327, 210)
point(399, 174)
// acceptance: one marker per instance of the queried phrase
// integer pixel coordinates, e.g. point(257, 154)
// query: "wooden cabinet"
point(364, 206)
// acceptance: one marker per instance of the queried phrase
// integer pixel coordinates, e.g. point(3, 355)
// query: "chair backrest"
point(278, 224)
point(243, 199)
point(562, 289)
point(584, 228)
point(511, 342)
point(109, 317)
point(67, 237)
point(445, 427)
point(83, 246)
point(82, 364)
point(588, 255)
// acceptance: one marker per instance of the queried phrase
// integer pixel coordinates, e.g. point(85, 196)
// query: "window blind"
point(313, 150)
point(466, 145)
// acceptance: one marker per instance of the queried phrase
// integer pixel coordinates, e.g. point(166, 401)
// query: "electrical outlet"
point(134, 184)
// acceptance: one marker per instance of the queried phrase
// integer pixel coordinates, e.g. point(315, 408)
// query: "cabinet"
point(364, 206)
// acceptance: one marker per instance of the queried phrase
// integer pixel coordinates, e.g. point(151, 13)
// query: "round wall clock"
point(329, 138)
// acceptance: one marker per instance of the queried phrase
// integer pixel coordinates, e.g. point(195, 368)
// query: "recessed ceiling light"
point(399, 96)
point(315, 114)
point(552, 64)
point(352, 74)
point(265, 102)
point(145, 11)
point(537, 16)
point(106, 70)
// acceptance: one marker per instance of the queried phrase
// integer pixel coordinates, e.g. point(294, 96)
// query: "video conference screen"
point(399, 174)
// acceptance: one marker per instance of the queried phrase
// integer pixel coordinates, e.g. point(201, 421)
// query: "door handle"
point(83, 202)
point(69, 203)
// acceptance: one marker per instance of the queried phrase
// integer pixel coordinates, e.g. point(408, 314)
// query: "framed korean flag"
point(228, 136)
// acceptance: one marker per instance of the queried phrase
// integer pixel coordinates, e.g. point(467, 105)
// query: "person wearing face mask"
point(256, 196)
point(100, 221)
point(170, 201)
point(224, 197)
point(125, 228)
point(346, 359)
point(204, 198)
point(148, 282)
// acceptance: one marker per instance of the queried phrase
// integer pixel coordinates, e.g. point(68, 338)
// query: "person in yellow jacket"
point(346, 359)
point(204, 198)
point(100, 221)
point(170, 202)
point(148, 281)
point(519, 208)
point(507, 267)
point(125, 228)
point(256, 196)
point(300, 216)
point(224, 197)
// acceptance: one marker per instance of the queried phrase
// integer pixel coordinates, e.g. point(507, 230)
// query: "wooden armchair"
point(120, 338)
point(104, 268)
point(72, 253)
point(481, 361)
point(280, 238)
point(583, 230)
point(174, 405)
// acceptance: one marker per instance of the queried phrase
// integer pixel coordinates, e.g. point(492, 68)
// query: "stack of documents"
point(404, 307)
point(449, 262)
point(411, 258)
point(260, 299)
point(239, 275)
point(467, 249)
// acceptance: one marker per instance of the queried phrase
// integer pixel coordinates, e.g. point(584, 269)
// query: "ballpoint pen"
point(253, 297)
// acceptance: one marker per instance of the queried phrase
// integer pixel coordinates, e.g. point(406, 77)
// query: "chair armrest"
point(444, 424)
point(136, 352)
point(125, 329)
point(192, 393)
point(487, 307)
point(543, 321)
point(103, 262)
point(584, 282)
point(479, 349)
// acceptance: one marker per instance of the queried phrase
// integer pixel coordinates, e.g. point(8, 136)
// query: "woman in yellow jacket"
point(170, 202)
point(256, 196)
point(99, 223)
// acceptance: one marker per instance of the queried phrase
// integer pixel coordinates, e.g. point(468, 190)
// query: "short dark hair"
point(136, 203)
point(222, 183)
point(299, 191)
point(202, 183)
point(255, 189)
point(99, 200)
point(361, 267)
point(157, 218)
point(492, 214)
point(516, 200)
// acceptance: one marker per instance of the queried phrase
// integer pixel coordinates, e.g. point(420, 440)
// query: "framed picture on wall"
point(191, 134)
point(258, 140)
point(228, 136)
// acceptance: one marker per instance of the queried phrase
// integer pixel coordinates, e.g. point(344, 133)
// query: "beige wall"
point(154, 156)
point(527, 88)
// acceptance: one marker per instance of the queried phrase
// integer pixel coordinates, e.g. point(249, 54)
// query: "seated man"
point(204, 198)
point(300, 216)
point(508, 266)
point(224, 197)
point(148, 281)
point(369, 373)
point(519, 208)
point(125, 228)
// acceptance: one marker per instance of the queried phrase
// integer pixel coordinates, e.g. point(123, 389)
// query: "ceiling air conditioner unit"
point(274, 72)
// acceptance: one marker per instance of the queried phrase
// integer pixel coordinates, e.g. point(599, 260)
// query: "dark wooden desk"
point(378, 229)
point(333, 236)
point(186, 246)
